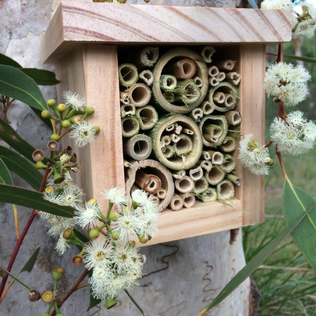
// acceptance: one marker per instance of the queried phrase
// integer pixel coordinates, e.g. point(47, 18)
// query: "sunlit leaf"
point(5, 176)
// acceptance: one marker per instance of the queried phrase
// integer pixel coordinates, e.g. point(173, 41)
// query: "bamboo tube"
point(206, 155)
point(216, 157)
point(200, 186)
point(146, 57)
point(215, 175)
point(127, 164)
point(227, 89)
point(212, 132)
point(169, 97)
point(178, 129)
point(184, 185)
point(170, 128)
point(187, 131)
point(177, 163)
point(130, 126)
point(142, 178)
point(187, 91)
point(213, 71)
point(154, 168)
point(175, 138)
point(182, 69)
point(228, 145)
point(196, 173)
point(176, 203)
point(221, 76)
point(138, 147)
point(233, 178)
point(229, 163)
point(198, 81)
point(127, 110)
point(155, 199)
point(161, 193)
point(233, 117)
point(213, 81)
point(219, 97)
point(179, 175)
point(139, 94)
point(225, 190)
point(206, 165)
point(168, 151)
point(233, 78)
point(147, 117)
point(128, 74)
point(124, 98)
point(184, 145)
point(218, 120)
point(147, 77)
point(207, 53)
point(206, 108)
point(201, 72)
point(196, 114)
point(188, 200)
point(168, 82)
point(210, 195)
point(148, 182)
point(225, 64)
point(166, 140)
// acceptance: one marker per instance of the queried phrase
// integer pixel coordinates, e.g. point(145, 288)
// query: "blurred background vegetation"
point(286, 281)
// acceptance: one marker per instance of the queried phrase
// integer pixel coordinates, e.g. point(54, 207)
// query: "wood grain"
point(79, 22)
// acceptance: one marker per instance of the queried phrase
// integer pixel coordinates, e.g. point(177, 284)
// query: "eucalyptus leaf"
point(5, 60)
point(22, 167)
point(306, 59)
point(29, 265)
point(296, 203)
point(17, 85)
point(32, 199)
point(5, 176)
point(41, 77)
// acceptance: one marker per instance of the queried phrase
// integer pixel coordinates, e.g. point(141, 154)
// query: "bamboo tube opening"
point(130, 126)
point(179, 174)
point(228, 144)
point(168, 82)
point(230, 100)
point(191, 92)
point(184, 185)
point(221, 76)
point(166, 140)
point(170, 128)
point(128, 74)
point(227, 89)
point(225, 190)
point(169, 96)
point(138, 147)
point(226, 64)
point(141, 147)
point(196, 114)
point(219, 97)
point(196, 173)
point(206, 164)
point(178, 129)
point(147, 76)
point(207, 53)
point(213, 82)
point(124, 98)
point(139, 94)
point(229, 164)
point(184, 145)
point(176, 203)
point(206, 155)
point(200, 186)
point(147, 56)
point(234, 78)
point(215, 175)
point(155, 199)
point(187, 131)
point(209, 195)
point(198, 81)
point(153, 185)
point(161, 193)
point(207, 108)
point(175, 138)
point(148, 117)
point(188, 200)
point(127, 109)
point(233, 117)
point(233, 178)
point(213, 71)
point(181, 69)
point(217, 158)
point(168, 151)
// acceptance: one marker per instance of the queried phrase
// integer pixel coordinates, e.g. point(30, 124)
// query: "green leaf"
point(80, 235)
point(41, 77)
point(22, 167)
point(28, 267)
point(32, 199)
point(12, 138)
point(306, 59)
point(5, 176)
point(255, 262)
point(15, 278)
point(17, 85)
point(297, 202)
point(5, 60)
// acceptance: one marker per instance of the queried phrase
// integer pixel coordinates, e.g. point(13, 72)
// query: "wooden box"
point(82, 40)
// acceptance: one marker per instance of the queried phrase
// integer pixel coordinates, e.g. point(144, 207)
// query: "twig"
point(281, 161)
point(16, 221)
point(268, 144)
point(138, 307)
point(273, 54)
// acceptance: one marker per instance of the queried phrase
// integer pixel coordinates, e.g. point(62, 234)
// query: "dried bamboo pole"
point(213, 71)
point(139, 94)
point(215, 175)
point(198, 81)
point(146, 57)
point(228, 144)
point(196, 173)
point(233, 78)
point(127, 110)
point(176, 203)
point(130, 126)
point(138, 147)
point(184, 185)
point(213, 81)
point(221, 76)
point(225, 65)
point(200, 186)
point(225, 190)
point(188, 200)
point(233, 117)
point(162, 193)
point(229, 163)
point(148, 182)
point(216, 157)
point(147, 77)
point(196, 114)
point(168, 151)
point(184, 145)
point(233, 178)
point(179, 174)
point(206, 165)
point(210, 195)
point(206, 107)
point(165, 140)
point(168, 82)
point(128, 74)
point(219, 97)
point(207, 53)
point(124, 98)
point(147, 117)
point(181, 69)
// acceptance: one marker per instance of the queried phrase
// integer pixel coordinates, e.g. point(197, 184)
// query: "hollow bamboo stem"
point(216, 157)
point(213, 81)
point(139, 94)
point(184, 185)
point(179, 174)
point(229, 163)
point(233, 78)
point(221, 76)
point(176, 203)
point(200, 186)
point(155, 199)
point(207, 53)
point(146, 57)
point(182, 69)
point(184, 145)
point(130, 126)
point(168, 82)
point(233, 117)
point(210, 195)
point(196, 173)
point(230, 101)
point(188, 91)
point(165, 140)
point(225, 65)
point(147, 77)
point(148, 182)
point(187, 131)
point(225, 190)
point(178, 129)
point(196, 114)
point(138, 147)
point(215, 175)
point(168, 151)
point(124, 98)
point(228, 144)
point(161, 193)
point(213, 71)
point(219, 97)
point(198, 81)
point(128, 74)
point(147, 117)
point(127, 110)
point(206, 165)
point(188, 200)
point(233, 178)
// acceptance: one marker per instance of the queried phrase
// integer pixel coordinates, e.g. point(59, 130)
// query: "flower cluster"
point(286, 83)
point(304, 24)
point(277, 4)
point(253, 156)
point(295, 135)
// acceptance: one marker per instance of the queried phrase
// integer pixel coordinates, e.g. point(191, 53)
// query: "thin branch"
point(132, 299)
point(16, 221)
point(273, 54)
point(269, 143)
point(281, 161)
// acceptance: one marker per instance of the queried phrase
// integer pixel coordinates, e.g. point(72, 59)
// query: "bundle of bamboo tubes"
point(179, 109)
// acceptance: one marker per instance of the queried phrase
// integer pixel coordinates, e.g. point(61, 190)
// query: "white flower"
point(306, 24)
point(296, 118)
point(53, 197)
point(87, 216)
point(139, 196)
point(309, 131)
point(148, 224)
point(82, 133)
point(254, 158)
point(97, 254)
point(60, 224)
point(71, 196)
point(287, 83)
point(116, 196)
point(126, 224)
point(64, 158)
point(122, 257)
point(277, 4)
point(75, 100)
point(62, 245)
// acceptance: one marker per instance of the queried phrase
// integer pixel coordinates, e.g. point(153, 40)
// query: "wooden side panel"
point(252, 107)
point(92, 72)
point(140, 24)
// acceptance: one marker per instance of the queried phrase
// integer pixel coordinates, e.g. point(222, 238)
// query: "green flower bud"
point(89, 111)
point(75, 120)
point(256, 143)
point(94, 234)
point(46, 114)
point(142, 239)
point(97, 129)
point(113, 216)
point(65, 124)
point(51, 103)
point(115, 235)
point(55, 137)
point(46, 314)
point(69, 234)
point(61, 107)
point(58, 273)
point(40, 165)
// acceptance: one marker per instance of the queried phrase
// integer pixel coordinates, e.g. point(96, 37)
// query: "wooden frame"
point(75, 40)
